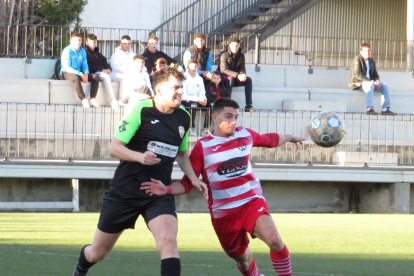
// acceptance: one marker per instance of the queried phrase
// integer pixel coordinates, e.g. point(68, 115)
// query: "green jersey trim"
point(184, 143)
point(131, 122)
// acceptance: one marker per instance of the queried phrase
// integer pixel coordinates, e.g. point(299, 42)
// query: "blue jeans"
point(368, 88)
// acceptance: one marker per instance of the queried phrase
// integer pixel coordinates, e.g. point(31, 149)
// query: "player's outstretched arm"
point(185, 164)
point(291, 138)
point(156, 187)
point(118, 150)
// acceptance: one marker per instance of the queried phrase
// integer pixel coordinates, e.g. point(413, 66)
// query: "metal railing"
point(42, 131)
point(48, 42)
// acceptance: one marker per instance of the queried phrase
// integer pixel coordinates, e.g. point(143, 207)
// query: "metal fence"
point(60, 132)
point(49, 41)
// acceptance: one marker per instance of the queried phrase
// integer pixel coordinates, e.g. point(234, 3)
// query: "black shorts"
point(118, 215)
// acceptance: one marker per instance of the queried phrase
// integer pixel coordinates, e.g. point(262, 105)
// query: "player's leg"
point(91, 254)
point(246, 264)
point(265, 229)
point(368, 88)
point(161, 219)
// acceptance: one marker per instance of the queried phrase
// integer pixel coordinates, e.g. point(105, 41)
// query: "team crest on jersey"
point(242, 145)
point(122, 126)
point(181, 130)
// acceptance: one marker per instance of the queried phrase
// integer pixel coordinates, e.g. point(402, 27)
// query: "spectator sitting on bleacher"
point(121, 62)
point(74, 67)
point(137, 84)
point(151, 54)
point(202, 55)
point(160, 64)
point(98, 65)
point(364, 76)
point(233, 67)
point(194, 94)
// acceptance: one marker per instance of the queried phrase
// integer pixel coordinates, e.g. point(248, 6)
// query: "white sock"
point(384, 109)
point(368, 108)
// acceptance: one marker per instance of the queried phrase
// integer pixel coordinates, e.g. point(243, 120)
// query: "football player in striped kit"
point(235, 199)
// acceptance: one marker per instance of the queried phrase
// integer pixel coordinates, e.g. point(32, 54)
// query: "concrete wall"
point(281, 196)
point(126, 14)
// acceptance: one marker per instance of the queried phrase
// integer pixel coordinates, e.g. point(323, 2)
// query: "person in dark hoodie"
point(199, 52)
point(233, 68)
point(151, 54)
point(98, 65)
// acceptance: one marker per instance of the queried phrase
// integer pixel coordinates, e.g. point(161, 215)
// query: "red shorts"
point(232, 230)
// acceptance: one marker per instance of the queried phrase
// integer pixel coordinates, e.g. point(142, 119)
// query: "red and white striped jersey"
point(226, 169)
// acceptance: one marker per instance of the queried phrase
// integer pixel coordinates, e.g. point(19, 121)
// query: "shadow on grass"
point(56, 260)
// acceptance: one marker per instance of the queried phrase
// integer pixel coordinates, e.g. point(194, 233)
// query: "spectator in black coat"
point(233, 68)
point(98, 65)
point(151, 54)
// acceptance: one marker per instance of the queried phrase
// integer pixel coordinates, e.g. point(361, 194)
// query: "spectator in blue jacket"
point(74, 67)
point(199, 52)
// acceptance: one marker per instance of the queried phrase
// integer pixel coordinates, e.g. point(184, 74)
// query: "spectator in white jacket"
point(194, 93)
point(121, 62)
point(137, 84)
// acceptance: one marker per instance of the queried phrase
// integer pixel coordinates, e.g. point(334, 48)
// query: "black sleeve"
point(93, 67)
point(105, 63)
point(242, 68)
point(375, 75)
point(224, 66)
point(357, 73)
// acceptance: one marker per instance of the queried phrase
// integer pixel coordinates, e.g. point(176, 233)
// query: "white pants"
point(106, 80)
point(119, 77)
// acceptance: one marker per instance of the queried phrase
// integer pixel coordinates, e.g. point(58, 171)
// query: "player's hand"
point(202, 102)
point(155, 187)
point(148, 158)
point(377, 84)
point(297, 140)
point(206, 74)
point(200, 185)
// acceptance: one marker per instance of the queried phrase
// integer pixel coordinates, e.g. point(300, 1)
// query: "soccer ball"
point(326, 129)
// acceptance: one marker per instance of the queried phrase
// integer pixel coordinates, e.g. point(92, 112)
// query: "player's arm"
point(156, 187)
point(184, 162)
point(272, 140)
point(118, 150)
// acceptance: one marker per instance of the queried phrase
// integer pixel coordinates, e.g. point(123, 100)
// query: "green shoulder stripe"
point(131, 122)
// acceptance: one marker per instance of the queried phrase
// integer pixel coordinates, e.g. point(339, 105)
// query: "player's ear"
point(214, 117)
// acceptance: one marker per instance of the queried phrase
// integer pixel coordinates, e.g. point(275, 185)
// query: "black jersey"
point(146, 128)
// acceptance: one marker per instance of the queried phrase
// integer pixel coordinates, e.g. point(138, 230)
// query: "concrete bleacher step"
point(374, 158)
point(314, 106)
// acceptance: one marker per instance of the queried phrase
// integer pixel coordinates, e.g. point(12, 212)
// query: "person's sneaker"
point(76, 273)
point(372, 112)
point(388, 112)
point(85, 103)
point(121, 103)
point(93, 103)
point(249, 108)
point(114, 104)
point(193, 132)
point(205, 133)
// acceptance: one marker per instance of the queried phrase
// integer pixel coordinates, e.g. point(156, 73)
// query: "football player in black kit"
point(147, 142)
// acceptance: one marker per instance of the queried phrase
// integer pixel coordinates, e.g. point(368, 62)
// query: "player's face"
point(365, 52)
point(76, 42)
point(234, 47)
point(226, 121)
point(125, 45)
point(215, 79)
point(152, 45)
point(171, 92)
point(91, 44)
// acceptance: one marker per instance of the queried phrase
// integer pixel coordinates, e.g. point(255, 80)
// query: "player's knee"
point(95, 256)
point(167, 242)
point(275, 243)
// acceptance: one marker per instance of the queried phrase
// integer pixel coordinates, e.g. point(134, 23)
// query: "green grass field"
point(320, 244)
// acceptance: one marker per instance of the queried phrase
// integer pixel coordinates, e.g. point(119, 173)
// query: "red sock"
point(281, 262)
point(252, 270)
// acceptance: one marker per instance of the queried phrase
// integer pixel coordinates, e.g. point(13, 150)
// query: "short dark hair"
point(191, 61)
point(234, 39)
point(91, 37)
point(199, 35)
point(365, 45)
point(127, 37)
point(163, 76)
point(221, 103)
point(161, 61)
point(75, 35)
point(141, 57)
point(214, 73)
point(153, 37)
